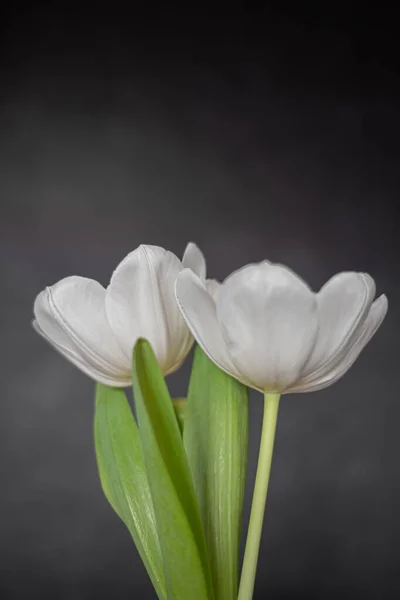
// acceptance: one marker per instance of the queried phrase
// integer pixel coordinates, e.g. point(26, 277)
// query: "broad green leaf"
point(179, 408)
point(186, 566)
point(216, 442)
point(123, 477)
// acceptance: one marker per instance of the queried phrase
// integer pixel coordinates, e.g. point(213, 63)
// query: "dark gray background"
point(271, 136)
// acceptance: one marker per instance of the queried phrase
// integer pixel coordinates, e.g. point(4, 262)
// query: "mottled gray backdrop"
point(278, 143)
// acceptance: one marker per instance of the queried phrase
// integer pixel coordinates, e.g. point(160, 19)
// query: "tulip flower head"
point(96, 328)
point(269, 330)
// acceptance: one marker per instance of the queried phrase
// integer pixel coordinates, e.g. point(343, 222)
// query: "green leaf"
point(186, 566)
point(179, 408)
point(216, 441)
point(123, 477)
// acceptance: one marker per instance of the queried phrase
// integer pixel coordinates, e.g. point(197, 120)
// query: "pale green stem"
point(271, 405)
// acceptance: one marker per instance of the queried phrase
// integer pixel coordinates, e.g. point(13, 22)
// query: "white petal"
point(72, 315)
point(84, 366)
point(212, 287)
point(198, 308)
point(140, 302)
point(269, 323)
point(343, 304)
point(375, 317)
point(193, 258)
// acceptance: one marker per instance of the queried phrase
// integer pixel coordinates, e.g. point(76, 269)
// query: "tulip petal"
point(193, 258)
point(82, 364)
point(212, 287)
point(371, 324)
point(343, 304)
point(140, 302)
point(268, 320)
point(71, 314)
point(199, 311)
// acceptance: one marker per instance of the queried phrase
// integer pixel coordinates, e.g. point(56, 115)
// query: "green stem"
point(271, 405)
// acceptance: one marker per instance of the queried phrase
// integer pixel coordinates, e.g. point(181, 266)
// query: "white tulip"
point(96, 328)
point(269, 330)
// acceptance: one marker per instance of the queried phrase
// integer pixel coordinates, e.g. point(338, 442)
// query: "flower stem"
point(271, 405)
